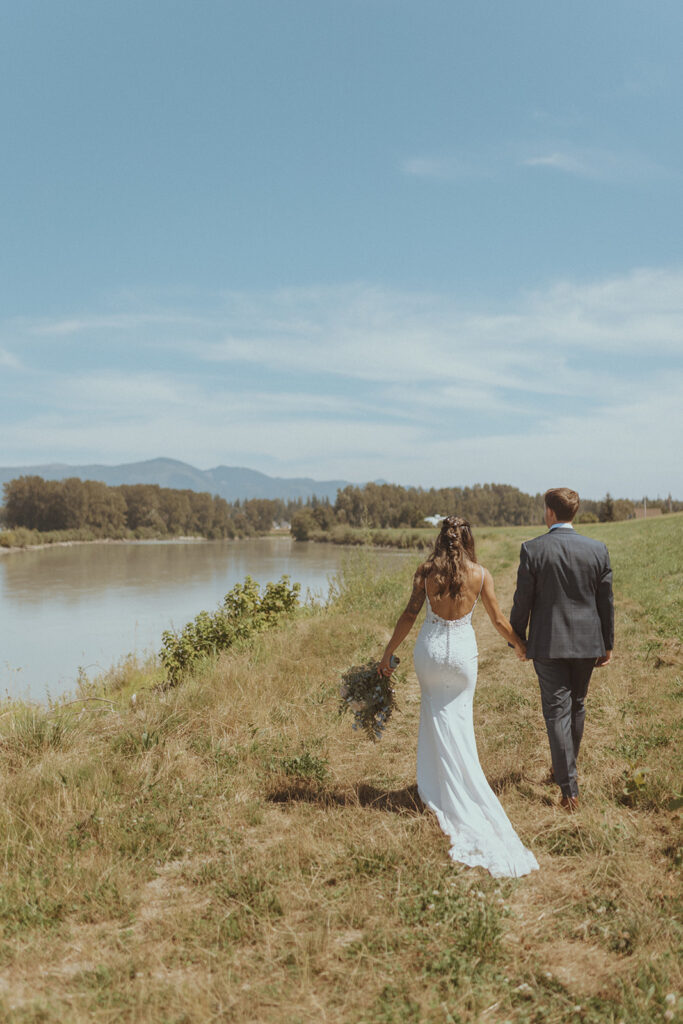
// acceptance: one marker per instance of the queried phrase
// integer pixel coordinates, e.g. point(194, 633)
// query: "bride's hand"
point(520, 649)
point(385, 667)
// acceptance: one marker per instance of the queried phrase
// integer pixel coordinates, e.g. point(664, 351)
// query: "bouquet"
point(370, 696)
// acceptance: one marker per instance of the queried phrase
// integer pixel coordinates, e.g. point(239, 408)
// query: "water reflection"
point(89, 605)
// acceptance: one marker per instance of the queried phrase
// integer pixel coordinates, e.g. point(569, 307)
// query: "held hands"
point(520, 649)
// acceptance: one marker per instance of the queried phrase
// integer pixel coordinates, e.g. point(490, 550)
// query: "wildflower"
point(670, 999)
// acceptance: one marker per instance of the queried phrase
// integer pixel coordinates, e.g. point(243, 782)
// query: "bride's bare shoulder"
point(422, 571)
point(474, 574)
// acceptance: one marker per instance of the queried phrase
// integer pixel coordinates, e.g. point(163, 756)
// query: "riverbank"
point(99, 540)
point(33, 540)
point(230, 849)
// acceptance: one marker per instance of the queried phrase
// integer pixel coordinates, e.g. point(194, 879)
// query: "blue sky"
point(433, 242)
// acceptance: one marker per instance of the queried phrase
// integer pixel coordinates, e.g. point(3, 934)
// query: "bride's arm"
point(405, 622)
point(490, 602)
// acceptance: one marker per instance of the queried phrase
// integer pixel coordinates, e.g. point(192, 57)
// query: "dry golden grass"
point(231, 851)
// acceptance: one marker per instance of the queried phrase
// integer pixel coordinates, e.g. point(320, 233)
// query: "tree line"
point(383, 506)
point(148, 510)
point(141, 510)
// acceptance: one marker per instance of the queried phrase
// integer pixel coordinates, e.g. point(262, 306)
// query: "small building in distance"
point(433, 520)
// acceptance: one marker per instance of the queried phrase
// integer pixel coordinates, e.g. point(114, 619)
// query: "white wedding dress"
point(450, 780)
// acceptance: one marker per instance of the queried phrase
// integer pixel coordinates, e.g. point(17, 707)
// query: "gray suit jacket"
point(564, 585)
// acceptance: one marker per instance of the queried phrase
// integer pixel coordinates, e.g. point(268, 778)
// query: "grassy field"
point(229, 850)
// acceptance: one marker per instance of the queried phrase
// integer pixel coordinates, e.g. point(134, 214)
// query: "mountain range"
point(230, 482)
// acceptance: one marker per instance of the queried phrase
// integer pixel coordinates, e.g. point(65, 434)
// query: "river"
point(87, 606)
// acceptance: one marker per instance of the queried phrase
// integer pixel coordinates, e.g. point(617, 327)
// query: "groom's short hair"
point(563, 502)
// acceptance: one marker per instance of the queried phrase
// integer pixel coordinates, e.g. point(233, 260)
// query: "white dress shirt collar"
point(562, 526)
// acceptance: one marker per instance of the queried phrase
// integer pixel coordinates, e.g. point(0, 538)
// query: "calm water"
point(90, 605)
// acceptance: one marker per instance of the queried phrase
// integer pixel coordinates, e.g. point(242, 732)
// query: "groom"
point(564, 584)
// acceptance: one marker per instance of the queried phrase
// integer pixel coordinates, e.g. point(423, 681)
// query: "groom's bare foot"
point(570, 803)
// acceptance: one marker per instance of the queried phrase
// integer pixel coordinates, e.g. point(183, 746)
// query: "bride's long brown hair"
point(453, 551)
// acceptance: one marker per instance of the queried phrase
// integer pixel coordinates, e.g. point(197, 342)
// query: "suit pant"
point(564, 685)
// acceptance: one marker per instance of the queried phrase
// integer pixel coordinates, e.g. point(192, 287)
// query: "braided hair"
point(453, 551)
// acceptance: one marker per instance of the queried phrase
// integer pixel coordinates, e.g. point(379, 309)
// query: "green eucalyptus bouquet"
point(370, 696)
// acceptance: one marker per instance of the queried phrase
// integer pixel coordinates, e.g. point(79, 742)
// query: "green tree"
point(606, 512)
point(303, 524)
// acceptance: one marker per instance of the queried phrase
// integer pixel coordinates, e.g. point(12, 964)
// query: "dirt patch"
point(583, 969)
point(166, 891)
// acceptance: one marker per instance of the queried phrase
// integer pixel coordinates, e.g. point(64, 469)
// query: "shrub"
point(244, 612)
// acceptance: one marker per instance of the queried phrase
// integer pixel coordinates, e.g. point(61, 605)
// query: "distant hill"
point(230, 482)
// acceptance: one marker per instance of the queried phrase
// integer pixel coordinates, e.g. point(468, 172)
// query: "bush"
point(244, 612)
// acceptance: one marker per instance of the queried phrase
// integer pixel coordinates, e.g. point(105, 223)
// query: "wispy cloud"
point(610, 448)
point(384, 337)
point(361, 382)
point(444, 168)
point(137, 393)
point(568, 162)
point(119, 322)
point(9, 361)
point(590, 163)
point(595, 164)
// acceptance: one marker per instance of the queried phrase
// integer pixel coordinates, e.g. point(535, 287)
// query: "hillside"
point(229, 482)
point(230, 850)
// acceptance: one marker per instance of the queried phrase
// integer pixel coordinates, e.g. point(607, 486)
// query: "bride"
point(450, 780)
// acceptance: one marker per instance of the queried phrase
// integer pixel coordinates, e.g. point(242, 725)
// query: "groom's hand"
point(604, 660)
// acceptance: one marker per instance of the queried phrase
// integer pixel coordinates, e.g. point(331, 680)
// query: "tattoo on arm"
point(417, 597)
